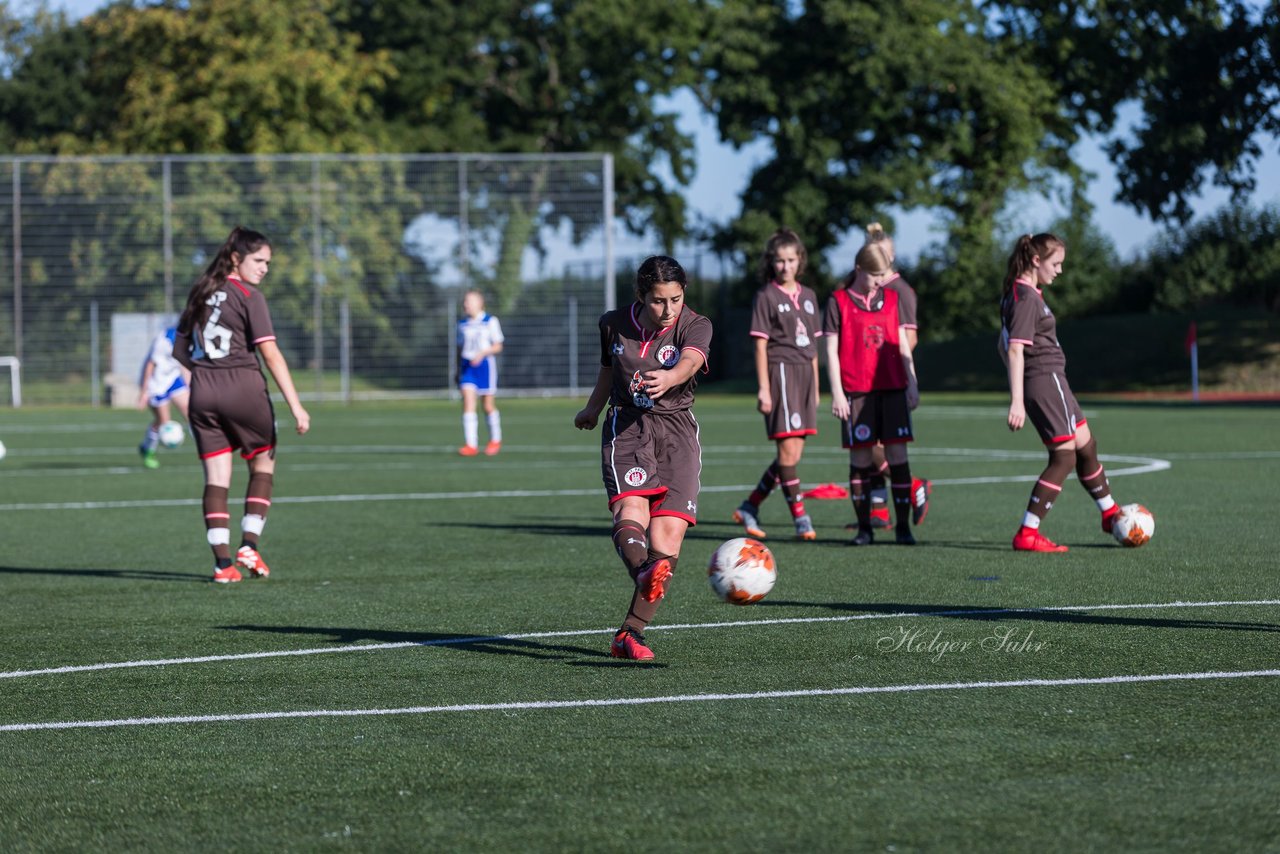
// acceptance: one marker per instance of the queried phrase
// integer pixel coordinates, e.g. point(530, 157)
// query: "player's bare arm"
point(1017, 408)
point(659, 382)
point(764, 397)
point(909, 363)
point(839, 402)
point(279, 368)
point(588, 416)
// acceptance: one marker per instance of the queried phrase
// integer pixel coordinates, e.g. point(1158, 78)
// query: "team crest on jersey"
point(873, 337)
point(795, 421)
point(668, 355)
point(635, 476)
point(862, 432)
point(808, 306)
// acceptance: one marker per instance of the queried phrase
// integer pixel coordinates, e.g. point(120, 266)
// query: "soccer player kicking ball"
point(1038, 389)
point(651, 352)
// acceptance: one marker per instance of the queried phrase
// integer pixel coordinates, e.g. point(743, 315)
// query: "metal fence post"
point(17, 261)
point(317, 300)
point(610, 273)
point(95, 369)
point(344, 353)
point(167, 206)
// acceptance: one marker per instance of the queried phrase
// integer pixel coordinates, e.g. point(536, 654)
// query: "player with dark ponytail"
point(1038, 389)
point(223, 329)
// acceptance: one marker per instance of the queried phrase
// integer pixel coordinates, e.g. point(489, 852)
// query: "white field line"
point(643, 701)
point(1142, 465)
point(472, 639)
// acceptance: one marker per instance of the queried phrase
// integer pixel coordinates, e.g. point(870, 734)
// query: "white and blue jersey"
point(166, 377)
point(475, 335)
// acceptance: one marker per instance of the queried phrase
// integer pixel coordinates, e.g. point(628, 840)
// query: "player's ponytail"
point(1023, 258)
point(780, 239)
point(240, 243)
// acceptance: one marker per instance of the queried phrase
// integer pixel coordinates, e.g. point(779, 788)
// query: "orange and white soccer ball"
point(1133, 525)
point(742, 571)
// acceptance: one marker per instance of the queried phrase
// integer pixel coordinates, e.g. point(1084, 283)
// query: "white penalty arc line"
point(644, 701)
point(463, 640)
point(1144, 465)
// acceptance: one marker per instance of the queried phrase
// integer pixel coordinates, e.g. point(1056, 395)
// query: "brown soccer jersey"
point(238, 321)
point(906, 301)
point(1026, 319)
point(789, 322)
point(631, 351)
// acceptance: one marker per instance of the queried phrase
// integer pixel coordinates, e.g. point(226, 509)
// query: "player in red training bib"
point(1038, 389)
point(869, 361)
point(650, 454)
point(785, 327)
point(920, 489)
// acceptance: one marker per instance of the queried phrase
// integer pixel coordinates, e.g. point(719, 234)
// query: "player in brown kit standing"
point(223, 328)
point(1038, 389)
point(651, 458)
point(785, 325)
point(869, 362)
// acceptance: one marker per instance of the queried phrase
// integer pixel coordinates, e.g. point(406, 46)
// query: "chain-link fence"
point(370, 258)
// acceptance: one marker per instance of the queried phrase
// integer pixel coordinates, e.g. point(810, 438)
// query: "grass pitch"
point(427, 666)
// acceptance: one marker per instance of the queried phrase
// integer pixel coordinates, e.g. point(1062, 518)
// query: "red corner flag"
point(1191, 337)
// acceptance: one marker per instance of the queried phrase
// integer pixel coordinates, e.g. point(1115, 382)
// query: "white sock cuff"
point(253, 524)
point(219, 536)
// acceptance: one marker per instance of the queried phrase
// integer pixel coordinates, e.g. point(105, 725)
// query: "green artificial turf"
point(439, 599)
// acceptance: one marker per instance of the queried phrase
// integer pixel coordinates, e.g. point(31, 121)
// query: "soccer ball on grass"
point(742, 571)
point(1133, 525)
point(171, 434)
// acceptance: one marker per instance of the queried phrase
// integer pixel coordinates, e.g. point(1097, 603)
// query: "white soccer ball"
point(742, 571)
point(3, 450)
point(171, 434)
point(1133, 525)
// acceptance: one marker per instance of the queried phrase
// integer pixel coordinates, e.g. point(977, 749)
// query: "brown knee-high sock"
point(641, 613)
point(768, 481)
point(1049, 486)
point(1092, 476)
point(860, 494)
point(900, 484)
point(217, 523)
point(789, 480)
point(257, 501)
point(632, 544)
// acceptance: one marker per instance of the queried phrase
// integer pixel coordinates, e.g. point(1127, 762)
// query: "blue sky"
point(723, 173)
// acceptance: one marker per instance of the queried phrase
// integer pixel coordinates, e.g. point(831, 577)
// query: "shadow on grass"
point(122, 574)
point(492, 644)
point(973, 612)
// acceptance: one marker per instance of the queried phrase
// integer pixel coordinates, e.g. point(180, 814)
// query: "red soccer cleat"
point(468, 450)
point(492, 448)
point(248, 559)
point(1109, 516)
point(880, 516)
point(920, 492)
point(1031, 540)
point(629, 644)
point(653, 580)
point(745, 516)
point(226, 576)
